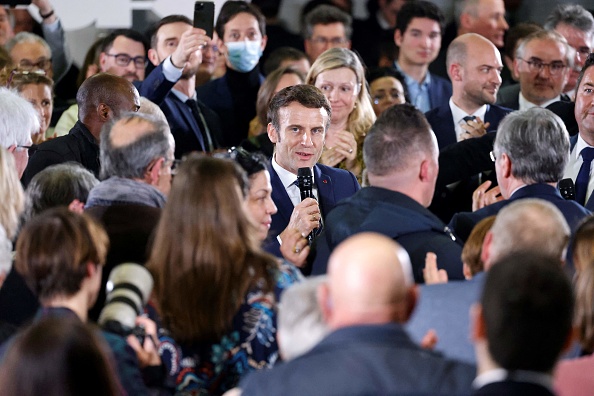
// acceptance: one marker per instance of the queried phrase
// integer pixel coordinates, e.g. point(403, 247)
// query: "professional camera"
point(128, 290)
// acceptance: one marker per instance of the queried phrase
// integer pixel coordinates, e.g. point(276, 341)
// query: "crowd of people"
point(396, 205)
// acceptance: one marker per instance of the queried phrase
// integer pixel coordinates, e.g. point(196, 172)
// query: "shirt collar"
point(458, 114)
point(499, 375)
point(580, 145)
point(286, 177)
point(409, 80)
point(525, 104)
point(181, 96)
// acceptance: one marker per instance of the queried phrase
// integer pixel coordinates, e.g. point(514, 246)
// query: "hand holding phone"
point(204, 16)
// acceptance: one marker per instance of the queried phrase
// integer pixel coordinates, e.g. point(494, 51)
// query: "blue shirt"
point(417, 92)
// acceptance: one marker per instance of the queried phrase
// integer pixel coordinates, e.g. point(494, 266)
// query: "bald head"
point(527, 225)
point(103, 96)
point(369, 281)
point(467, 43)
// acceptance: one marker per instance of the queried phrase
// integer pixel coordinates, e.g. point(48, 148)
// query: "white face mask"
point(244, 55)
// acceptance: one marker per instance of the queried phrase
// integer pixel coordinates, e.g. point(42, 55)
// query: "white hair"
point(19, 119)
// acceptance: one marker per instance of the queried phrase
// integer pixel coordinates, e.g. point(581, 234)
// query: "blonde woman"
point(339, 74)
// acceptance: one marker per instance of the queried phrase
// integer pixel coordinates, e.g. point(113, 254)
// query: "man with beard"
point(174, 42)
point(474, 66)
point(542, 64)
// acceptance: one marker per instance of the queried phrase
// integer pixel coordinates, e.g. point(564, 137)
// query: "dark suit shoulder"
point(512, 388)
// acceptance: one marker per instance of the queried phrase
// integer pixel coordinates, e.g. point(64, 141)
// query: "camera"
point(128, 290)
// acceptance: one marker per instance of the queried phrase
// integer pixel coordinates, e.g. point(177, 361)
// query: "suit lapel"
point(280, 197)
point(186, 113)
point(325, 190)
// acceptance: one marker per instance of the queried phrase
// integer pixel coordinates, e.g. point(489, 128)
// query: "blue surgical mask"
point(244, 55)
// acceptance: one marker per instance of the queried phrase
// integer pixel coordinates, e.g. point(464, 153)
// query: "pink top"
point(575, 377)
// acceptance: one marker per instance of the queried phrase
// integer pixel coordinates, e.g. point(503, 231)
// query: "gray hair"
point(537, 144)
point(325, 15)
point(26, 37)
point(131, 161)
point(19, 119)
point(573, 15)
point(529, 225)
point(550, 35)
point(300, 322)
point(398, 135)
point(465, 7)
point(58, 185)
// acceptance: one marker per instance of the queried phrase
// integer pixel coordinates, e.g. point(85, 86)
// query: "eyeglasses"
point(17, 73)
point(536, 65)
point(383, 96)
point(492, 155)
point(335, 41)
point(41, 64)
point(124, 60)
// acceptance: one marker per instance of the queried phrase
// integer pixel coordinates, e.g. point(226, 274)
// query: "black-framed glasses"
point(124, 60)
point(335, 41)
point(536, 65)
point(41, 64)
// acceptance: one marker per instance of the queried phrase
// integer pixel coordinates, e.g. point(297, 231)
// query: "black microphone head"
point(303, 172)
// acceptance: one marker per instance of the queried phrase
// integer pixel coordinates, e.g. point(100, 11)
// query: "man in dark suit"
point(400, 153)
point(525, 225)
point(241, 28)
point(542, 66)
point(531, 151)
point(172, 85)
point(369, 295)
point(418, 32)
point(518, 340)
point(583, 142)
point(300, 116)
point(474, 66)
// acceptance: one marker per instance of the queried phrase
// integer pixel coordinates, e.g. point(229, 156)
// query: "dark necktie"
point(469, 118)
point(583, 177)
point(203, 133)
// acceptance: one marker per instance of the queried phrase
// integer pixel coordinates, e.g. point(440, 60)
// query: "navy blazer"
point(509, 97)
point(333, 185)
point(182, 122)
point(440, 91)
point(364, 360)
point(442, 122)
point(463, 223)
point(590, 203)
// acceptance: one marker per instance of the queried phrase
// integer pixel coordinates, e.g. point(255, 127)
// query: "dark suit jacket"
point(182, 122)
point(512, 388)
point(463, 223)
point(442, 122)
point(440, 91)
point(364, 360)
point(445, 308)
point(231, 98)
point(333, 185)
point(509, 97)
point(397, 216)
point(590, 203)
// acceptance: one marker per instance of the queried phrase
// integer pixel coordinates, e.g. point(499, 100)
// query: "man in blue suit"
point(530, 152)
point(419, 28)
point(529, 225)
point(584, 140)
point(300, 116)
point(474, 66)
point(175, 50)
point(369, 296)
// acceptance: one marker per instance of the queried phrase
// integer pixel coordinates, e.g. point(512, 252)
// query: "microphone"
point(305, 184)
point(567, 189)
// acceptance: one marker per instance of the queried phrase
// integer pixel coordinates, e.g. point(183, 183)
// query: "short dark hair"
point(325, 14)
point(54, 248)
point(527, 305)
point(419, 9)
point(515, 34)
point(233, 7)
point(107, 42)
point(380, 72)
point(166, 21)
point(251, 163)
point(279, 55)
point(306, 95)
point(589, 62)
point(399, 133)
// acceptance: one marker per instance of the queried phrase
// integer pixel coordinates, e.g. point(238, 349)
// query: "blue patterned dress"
point(212, 369)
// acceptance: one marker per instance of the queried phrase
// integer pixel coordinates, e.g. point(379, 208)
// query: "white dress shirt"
point(458, 115)
point(575, 163)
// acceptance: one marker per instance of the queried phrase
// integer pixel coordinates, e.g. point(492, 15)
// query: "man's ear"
point(455, 72)
point(272, 133)
point(152, 172)
point(264, 41)
point(412, 296)
point(102, 60)
point(91, 269)
point(516, 71)
point(486, 249)
point(324, 302)
point(104, 112)
point(153, 57)
point(478, 329)
point(466, 21)
point(505, 165)
point(397, 37)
